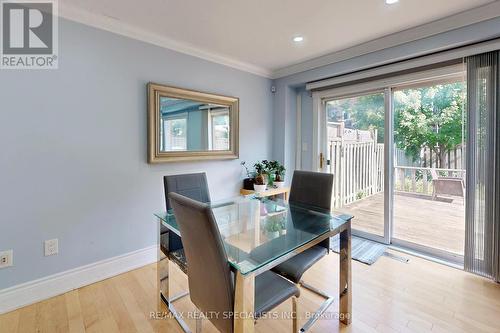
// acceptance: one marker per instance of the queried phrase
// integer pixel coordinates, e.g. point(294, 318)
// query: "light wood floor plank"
point(28, 318)
point(74, 310)
point(10, 321)
point(118, 308)
point(389, 296)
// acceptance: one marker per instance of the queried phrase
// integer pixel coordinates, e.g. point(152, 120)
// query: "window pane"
point(220, 131)
point(355, 129)
point(429, 165)
point(174, 134)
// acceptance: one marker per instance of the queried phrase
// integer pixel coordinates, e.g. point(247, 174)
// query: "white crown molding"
point(452, 22)
point(121, 28)
point(37, 290)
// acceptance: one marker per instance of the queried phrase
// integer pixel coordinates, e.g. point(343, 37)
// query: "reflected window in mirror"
point(173, 132)
point(187, 125)
point(219, 129)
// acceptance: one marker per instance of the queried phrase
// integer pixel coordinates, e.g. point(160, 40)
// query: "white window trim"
point(210, 129)
point(184, 115)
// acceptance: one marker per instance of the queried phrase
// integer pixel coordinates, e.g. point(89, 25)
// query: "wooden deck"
point(437, 224)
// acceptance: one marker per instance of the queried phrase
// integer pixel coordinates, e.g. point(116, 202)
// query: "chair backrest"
point(312, 188)
point(210, 283)
point(192, 185)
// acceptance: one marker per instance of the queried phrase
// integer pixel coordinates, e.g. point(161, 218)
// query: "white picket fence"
point(358, 169)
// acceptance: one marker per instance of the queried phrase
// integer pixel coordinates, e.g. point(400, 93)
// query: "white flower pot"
point(259, 188)
point(279, 184)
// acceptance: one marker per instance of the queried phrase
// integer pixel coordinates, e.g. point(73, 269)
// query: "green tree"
point(364, 113)
point(429, 117)
point(423, 117)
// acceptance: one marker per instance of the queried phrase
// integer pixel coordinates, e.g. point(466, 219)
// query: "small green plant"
point(268, 171)
point(274, 171)
point(259, 170)
point(279, 172)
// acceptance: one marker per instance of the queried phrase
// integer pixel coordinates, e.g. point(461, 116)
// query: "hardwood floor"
point(437, 224)
point(389, 296)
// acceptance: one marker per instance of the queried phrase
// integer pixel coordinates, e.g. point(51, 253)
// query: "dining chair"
point(211, 282)
point(194, 186)
point(313, 189)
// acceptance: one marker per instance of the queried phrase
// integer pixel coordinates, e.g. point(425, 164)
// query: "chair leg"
point(324, 306)
point(295, 316)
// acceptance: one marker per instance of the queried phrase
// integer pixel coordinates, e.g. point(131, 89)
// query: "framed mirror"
point(187, 125)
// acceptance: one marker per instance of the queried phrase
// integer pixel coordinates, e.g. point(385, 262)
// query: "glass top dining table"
point(257, 231)
point(259, 234)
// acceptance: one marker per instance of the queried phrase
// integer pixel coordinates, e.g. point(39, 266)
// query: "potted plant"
point(260, 182)
point(268, 172)
point(279, 175)
point(250, 180)
point(277, 170)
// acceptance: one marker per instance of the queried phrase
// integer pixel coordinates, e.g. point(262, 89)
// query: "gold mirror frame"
point(155, 91)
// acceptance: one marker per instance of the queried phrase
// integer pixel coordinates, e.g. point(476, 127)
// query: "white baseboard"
point(37, 290)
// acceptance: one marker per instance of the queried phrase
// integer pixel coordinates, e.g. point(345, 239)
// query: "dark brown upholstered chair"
point(211, 283)
point(194, 186)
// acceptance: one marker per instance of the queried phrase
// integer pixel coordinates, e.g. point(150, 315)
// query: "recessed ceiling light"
point(391, 2)
point(298, 39)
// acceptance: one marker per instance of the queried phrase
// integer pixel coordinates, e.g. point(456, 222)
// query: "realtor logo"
point(29, 34)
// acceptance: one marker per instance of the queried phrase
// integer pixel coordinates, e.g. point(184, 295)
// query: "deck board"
point(436, 224)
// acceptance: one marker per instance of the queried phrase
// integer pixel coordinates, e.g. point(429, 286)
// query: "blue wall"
point(288, 87)
point(73, 162)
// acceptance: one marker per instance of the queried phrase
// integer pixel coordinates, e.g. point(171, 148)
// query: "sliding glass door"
point(355, 135)
point(429, 166)
point(396, 149)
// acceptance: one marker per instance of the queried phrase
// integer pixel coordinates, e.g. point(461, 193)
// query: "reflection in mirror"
point(187, 125)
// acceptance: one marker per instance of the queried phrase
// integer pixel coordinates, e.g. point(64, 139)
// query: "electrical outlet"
point(51, 247)
point(6, 258)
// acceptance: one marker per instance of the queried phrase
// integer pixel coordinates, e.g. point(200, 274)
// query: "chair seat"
point(295, 267)
point(270, 291)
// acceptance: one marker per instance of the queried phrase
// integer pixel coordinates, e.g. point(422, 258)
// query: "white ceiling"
point(258, 33)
